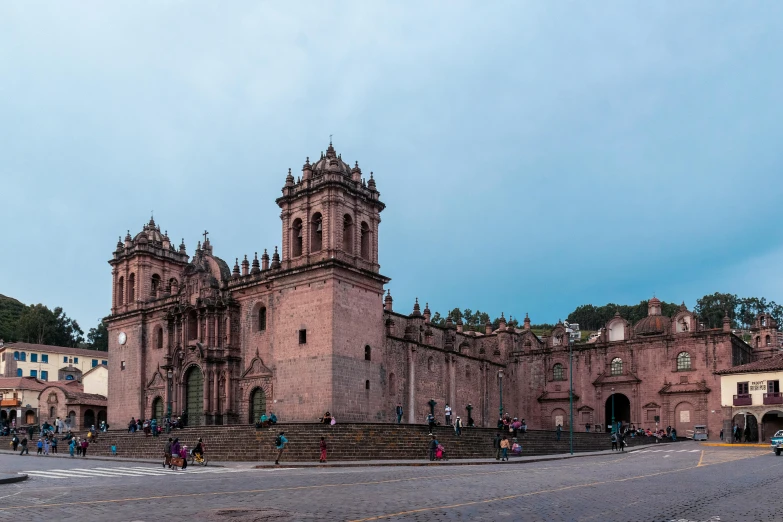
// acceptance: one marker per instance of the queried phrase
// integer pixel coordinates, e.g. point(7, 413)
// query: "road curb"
point(360, 464)
point(10, 479)
point(103, 458)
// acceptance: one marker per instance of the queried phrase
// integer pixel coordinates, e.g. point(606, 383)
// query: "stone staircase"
point(347, 442)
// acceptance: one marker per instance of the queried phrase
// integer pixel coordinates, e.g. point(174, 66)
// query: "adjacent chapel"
point(309, 329)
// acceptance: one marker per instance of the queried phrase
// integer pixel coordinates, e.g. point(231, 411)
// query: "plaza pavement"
point(681, 482)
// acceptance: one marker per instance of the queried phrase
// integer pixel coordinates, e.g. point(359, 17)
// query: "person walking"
point(496, 446)
point(399, 412)
point(504, 445)
point(721, 434)
point(323, 450)
point(621, 441)
point(15, 442)
point(448, 414)
point(614, 441)
point(280, 442)
point(46, 446)
point(167, 453)
point(433, 447)
point(458, 427)
point(54, 445)
point(72, 447)
point(24, 447)
point(431, 422)
point(39, 445)
point(85, 445)
point(558, 431)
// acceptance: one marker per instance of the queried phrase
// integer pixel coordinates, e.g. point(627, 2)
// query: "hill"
point(10, 310)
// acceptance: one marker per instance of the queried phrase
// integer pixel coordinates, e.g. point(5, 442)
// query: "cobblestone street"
point(693, 483)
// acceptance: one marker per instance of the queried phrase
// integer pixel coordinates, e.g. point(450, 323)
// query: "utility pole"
point(571, 392)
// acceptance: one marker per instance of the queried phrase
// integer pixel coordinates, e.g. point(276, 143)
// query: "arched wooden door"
point(194, 382)
point(157, 410)
point(257, 405)
point(89, 419)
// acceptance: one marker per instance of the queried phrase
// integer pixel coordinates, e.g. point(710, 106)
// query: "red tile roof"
point(770, 364)
point(22, 383)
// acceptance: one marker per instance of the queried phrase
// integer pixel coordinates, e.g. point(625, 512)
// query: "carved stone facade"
point(312, 331)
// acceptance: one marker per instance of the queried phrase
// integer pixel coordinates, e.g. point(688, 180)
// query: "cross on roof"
point(205, 236)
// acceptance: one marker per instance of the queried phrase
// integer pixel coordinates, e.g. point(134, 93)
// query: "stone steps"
point(346, 442)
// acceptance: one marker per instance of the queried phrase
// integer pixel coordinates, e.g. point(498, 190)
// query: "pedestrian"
point(721, 434)
point(735, 431)
point(46, 446)
point(496, 446)
point(183, 454)
point(40, 447)
point(558, 431)
point(85, 444)
point(399, 412)
point(154, 427)
point(15, 442)
point(72, 447)
point(448, 414)
point(323, 450)
point(587, 427)
point(504, 445)
point(433, 447)
point(280, 442)
point(57, 425)
point(24, 447)
point(431, 422)
point(132, 425)
point(458, 427)
point(621, 440)
point(674, 435)
point(614, 441)
point(78, 446)
point(167, 453)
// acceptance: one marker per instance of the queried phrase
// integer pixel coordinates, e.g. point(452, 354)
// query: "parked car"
point(777, 442)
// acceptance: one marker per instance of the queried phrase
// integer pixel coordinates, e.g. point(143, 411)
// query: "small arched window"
point(296, 238)
point(348, 234)
point(316, 233)
point(131, 288)
point(769, 342)
point(367, 353)
point(262, 319)
point(557, 372)
point(365, 241)
point(69, 377)
point(366, 385)
point(758, 341)
point(154, 285)
point(683, 361)
point(120, 291)
point(22, 356)
point(617, 366)
point(173, 286)
point(392, 385)
point(16, 356)
point(18, 372)
point(159, 337)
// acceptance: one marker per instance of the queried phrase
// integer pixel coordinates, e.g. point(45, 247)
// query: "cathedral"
point(312, 329)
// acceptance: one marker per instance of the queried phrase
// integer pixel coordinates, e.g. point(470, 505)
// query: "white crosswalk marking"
point(127, 471)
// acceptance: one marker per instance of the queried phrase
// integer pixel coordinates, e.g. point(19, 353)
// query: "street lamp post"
point(500, 380)
point(571, 394)
point(613, 426)
point(170, 375)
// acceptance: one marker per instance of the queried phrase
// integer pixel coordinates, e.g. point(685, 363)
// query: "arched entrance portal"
point(157, 410)
point(101, 417)
point(771, 422)
point(747, 427)
point(89, 419)
point(194, 390)
point(257, 404)
point(622, 410)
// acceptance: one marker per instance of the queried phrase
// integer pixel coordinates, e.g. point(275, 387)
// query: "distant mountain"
point(10, 310)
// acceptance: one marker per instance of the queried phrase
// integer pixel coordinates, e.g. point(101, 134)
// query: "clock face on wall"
point(122, 338)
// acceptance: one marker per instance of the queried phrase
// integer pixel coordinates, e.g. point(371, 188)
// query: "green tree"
point(10, 311)
point(712, 308)
point(67, 331)
point(36, 325)
point(98, 338)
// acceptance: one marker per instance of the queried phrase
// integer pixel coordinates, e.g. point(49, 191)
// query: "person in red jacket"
point(323, 450)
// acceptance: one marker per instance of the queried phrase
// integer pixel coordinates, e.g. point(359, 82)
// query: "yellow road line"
point(700, 459)
point(532, 493)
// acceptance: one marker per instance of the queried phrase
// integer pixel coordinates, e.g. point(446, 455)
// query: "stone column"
point(453, 385)
point(411, 384)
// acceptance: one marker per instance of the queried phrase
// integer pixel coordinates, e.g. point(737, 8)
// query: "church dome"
point(652, 325)
point(150, 233)
point(331, 162)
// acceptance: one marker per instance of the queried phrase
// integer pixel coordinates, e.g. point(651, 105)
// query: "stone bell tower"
point(331, 212)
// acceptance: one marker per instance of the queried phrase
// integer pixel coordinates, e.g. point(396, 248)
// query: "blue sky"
point(532, 156)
